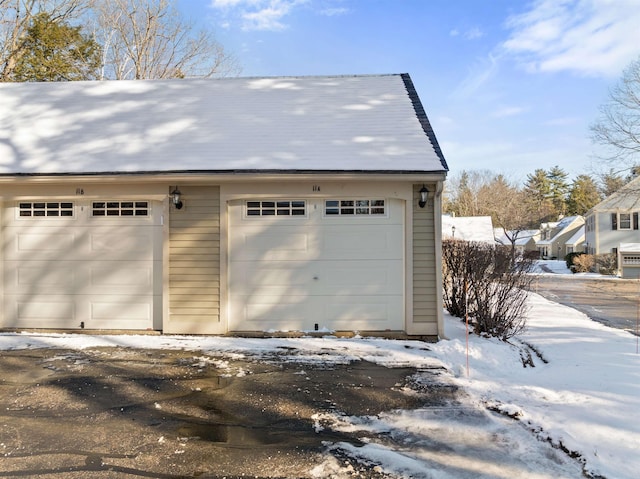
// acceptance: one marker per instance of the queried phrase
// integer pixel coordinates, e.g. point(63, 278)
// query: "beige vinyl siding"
point(425, 277)
point(194, 262)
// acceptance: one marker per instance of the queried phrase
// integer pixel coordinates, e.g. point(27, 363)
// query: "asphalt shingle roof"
point(335, 123)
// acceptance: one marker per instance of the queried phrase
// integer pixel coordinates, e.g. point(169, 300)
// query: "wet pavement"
point(613, 302)
point(114, 413)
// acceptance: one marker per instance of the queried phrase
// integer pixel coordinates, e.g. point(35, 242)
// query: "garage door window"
point(120, 208)
point(354, 207)
point(276, 208)
point(51, 209)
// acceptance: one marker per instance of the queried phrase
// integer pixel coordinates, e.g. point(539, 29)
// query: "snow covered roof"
point(562, 227)
point(626, 198)
point(630, 247)
point(468, 228)
point(371, 123)
point(578, 237)
point(524, 236)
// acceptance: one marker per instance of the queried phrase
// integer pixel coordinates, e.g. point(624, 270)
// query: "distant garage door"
point(298, 264)
point(92, 264)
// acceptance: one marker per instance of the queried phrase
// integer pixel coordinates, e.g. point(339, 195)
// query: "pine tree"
point(56, 51)
point(537, 192)
point(559, 189)
point(610, 182)
point(583, 195)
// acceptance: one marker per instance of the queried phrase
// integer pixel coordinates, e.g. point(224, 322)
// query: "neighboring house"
point(555, 235)
point(525, 239)
point(219, 206)
point(468, 228)
point(614, 220)
point(612, 228)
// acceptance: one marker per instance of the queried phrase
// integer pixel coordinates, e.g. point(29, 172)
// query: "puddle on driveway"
point(230, 435)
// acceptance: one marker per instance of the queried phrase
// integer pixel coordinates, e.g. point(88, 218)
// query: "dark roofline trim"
point(224, 172)
point(422, 117)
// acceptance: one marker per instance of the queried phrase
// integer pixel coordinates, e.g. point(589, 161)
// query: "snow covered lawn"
point(581, 398)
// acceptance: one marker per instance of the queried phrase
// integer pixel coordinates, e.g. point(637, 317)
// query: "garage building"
point(236, 205)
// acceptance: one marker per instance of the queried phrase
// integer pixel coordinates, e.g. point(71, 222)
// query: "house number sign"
point(316, 187)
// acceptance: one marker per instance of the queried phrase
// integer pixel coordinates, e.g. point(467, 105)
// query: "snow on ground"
point(551, 266)
point(581, 398)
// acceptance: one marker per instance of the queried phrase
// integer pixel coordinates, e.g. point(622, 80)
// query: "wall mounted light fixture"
point(424, 194)
point(176, 198)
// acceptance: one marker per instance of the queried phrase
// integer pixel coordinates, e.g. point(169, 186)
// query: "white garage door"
point(72, 264)
point(299, 264)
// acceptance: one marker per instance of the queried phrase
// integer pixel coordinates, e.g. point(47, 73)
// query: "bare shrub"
point(485, 282)
point(606, 263)
point(583, 263)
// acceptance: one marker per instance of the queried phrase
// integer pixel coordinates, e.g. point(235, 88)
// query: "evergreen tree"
point(56, 51)
point(611, 182)
point(559, 189)
point(583, 195)
point(537, 193)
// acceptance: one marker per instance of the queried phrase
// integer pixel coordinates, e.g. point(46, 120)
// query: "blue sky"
point(509, 86)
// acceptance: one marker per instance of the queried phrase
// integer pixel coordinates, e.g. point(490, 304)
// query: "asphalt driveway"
point(121, 413)
point(611, 301)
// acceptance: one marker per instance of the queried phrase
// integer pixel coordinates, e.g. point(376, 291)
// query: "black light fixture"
point(175, 198)
point(424, 192)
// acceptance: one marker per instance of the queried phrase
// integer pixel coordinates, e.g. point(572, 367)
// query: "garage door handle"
point(315, 277)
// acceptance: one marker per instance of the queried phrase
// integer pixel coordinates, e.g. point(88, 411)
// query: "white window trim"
point(630, 216)
point(340, 208)
point(47, 207)
point(260, 206)
point(118, 206)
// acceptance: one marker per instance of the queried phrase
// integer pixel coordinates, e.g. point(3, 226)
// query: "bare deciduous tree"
point(15, 20)
point(461, 193)
point(509, 210)
point(618, 127)
point(143, 40)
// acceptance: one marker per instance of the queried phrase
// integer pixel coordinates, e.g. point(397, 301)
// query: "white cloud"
point(334, 12)
point(260, 14)
point(470, 34)
point(473, 33)
point(590, 37)
point(481, 72)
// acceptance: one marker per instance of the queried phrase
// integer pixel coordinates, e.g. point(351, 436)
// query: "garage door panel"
point(257, 310)
point(38, 246)
point(361, 277)
point(272, 277)
point(121, 277)
point(120, 308)
point(38, 276)
point(363, 242)
point(363, 312)
point(255, 244)
point(131, 243)
point(51, 308)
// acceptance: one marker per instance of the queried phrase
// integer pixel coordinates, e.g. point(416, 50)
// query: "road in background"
point(611, 301)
